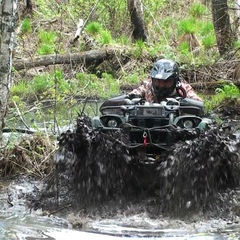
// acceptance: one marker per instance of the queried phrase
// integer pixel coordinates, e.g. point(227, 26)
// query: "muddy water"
point(19, 222)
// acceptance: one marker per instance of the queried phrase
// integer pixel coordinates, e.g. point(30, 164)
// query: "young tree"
point(222, 26)
point(8, 10)
point(137, 19)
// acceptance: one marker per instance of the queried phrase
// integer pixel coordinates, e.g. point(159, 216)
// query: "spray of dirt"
point(93, 168)
point(198, 171)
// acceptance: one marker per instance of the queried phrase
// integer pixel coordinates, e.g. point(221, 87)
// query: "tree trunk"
point(8, 10)
point(88, 58)
point(236, 19)
point(222, 26)
point(137, 19)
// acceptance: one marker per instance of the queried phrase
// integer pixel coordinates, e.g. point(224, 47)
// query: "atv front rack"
point(152, 139)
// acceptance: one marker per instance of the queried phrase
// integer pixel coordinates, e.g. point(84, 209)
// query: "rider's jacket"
point(146, 91)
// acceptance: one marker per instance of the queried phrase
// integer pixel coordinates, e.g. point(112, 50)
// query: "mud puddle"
point(19, 222)
point(143, 227)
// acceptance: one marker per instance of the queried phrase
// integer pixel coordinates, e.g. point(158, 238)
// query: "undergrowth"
point(31, 156)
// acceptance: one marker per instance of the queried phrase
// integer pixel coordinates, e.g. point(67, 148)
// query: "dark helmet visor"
point(163, 83)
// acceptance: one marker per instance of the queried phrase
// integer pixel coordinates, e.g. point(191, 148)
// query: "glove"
point(132, 95)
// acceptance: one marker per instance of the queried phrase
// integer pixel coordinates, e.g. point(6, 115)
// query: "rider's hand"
point(132, 95)
point(179, 98)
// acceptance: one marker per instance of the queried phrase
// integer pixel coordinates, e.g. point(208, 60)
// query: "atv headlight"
point(112, 123)
point(188, 123)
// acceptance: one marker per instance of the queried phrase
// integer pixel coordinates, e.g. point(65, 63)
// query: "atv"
point(152, 128)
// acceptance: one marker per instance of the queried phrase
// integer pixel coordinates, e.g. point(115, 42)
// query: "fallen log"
point(19, 130)
point(89, 57)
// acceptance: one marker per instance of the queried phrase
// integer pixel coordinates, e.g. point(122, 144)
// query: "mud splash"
point(94, 169)
point(91, 168)
point(198, 172)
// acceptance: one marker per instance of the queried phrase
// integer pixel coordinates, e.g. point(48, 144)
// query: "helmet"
point(164, 70)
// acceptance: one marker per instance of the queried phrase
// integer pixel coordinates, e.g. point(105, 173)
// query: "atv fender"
point(204, 123)
point(96, 123)
point(108, 122)
point(187, 121)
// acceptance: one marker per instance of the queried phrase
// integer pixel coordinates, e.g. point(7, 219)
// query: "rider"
point(163, 83)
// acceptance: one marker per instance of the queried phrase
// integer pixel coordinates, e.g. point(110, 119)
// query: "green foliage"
point(20, 89)
point(114, 25)
point(139, 48)
point(110, 86)
point(185, 55)
point(165, 51)
point(61, 84)
point(47, 42)
point(102, 36)
point(208, 34)
point(153, 51)
point(207, 28)
point(105, 37)
point(50, 85)
point(46, 37)
point(204, 32)
point(197, 10)
point(93, 28)
point(209, 41)
point(42, 83)
point(46, 9)
point(45, 49)
point(47, 85)
point(124, 40)
point(237, 46)
point(187, 26)
point(26, 26)
point(228, 91)
point(91, 85)
point(133, 79)
point(184, 48)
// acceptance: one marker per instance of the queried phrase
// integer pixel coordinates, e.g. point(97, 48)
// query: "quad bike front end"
point(151, 128)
